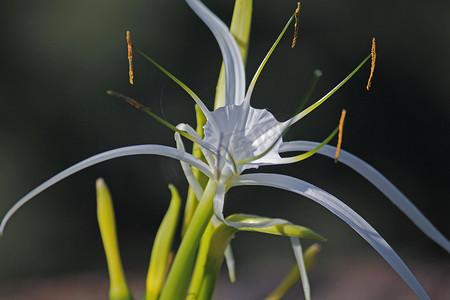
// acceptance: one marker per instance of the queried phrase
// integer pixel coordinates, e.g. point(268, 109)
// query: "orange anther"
point(372, 68)
point(341, 129)
point(130, 58)
point(297, 13)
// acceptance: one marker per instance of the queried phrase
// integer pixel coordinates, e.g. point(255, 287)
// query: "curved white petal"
point(190, 177)
point(231, 263)
point(380, 182)
point(125, 151)
point(341, 210)
point(206, 153)
point(218, 202)
point(298, 252)
point(234, 66)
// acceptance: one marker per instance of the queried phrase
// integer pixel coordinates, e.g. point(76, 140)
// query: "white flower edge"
point(380, 182)
point(124, 151)
point(341, 210)
point(298, 252)
point(234, 65)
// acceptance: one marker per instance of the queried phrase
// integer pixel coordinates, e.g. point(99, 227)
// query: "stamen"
point(328, 95)
point(297, 13)
point(317, 74)
point(341, 129)
point(130, 101)
point(130, 58)
point(154, 116)
point(266, 58)
point(197, 100)
point(372, 67)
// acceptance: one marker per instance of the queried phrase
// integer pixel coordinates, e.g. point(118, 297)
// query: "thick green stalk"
point(179, 275)
point(219, 241)
point(199, 269)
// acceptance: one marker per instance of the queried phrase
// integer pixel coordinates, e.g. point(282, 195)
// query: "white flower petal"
point(190, 177)
point(244, 133)
point(231, 263)
point(206, 151)
point(125, 151)
point(298, 252)
point(234, 66)
point(380, 182)
point(341, 210)
point(218, 202)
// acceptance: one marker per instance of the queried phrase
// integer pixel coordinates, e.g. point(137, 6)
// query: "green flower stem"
point(199, 268)
point(219, 241)
point(179, 275)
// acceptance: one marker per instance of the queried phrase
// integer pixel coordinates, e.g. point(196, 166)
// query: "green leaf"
point(118, 289)
point(162, 246)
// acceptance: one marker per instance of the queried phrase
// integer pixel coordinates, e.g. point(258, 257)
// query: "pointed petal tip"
point(2, 227)
point(315, 247)
point(3, 224)
point(99, 183)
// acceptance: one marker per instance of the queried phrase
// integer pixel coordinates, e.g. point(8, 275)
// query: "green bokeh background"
point(58, 59)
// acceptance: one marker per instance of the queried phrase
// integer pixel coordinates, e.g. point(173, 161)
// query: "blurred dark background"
point(58, 58)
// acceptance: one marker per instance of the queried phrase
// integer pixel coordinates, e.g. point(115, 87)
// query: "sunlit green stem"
point(179, 275)
point(177, 81)
point(308, 154)
point(266, 58)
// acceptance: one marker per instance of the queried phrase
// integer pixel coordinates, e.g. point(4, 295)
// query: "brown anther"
point(297, 13)
point(372, 67)
point(341, 129)
point(130, 58)
point(128, 100)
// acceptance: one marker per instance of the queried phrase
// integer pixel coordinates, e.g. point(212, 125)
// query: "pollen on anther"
point(297, 13)
point(341, 129)
point(130, 58)
point(372, 67)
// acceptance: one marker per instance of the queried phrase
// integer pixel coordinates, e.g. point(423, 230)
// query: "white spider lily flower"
point(249, 138)
point(239, 137)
